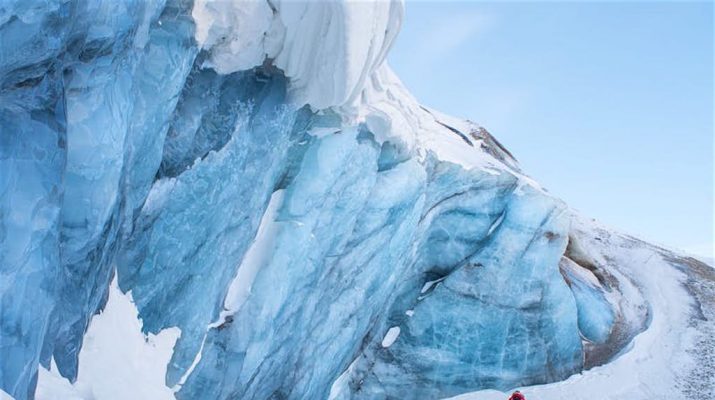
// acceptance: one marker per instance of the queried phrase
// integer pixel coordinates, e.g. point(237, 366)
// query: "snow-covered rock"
point(284, 220)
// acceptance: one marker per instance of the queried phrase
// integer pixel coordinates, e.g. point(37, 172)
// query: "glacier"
point(213, 199)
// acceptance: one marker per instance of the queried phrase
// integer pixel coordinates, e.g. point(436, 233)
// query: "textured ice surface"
point(671, 359)
point(503, 317)
point(289, 221)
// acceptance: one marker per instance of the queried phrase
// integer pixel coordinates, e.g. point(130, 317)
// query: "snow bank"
point(117, 360)
point(327, 49)
point(238, 33)
point(257, 254)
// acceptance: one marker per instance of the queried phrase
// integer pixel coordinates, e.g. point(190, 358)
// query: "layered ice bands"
point(218, 199)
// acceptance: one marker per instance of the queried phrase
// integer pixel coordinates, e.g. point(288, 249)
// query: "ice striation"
point(244, 200)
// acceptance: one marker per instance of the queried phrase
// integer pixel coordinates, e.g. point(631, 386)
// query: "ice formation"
point(284, 220)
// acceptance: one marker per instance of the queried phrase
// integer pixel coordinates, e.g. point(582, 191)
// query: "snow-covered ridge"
point(328, 49)
point(333, 54)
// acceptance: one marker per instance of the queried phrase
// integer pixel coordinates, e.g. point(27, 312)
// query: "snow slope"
point(115, 353)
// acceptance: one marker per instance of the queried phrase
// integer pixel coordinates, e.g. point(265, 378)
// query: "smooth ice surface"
point(595, 313)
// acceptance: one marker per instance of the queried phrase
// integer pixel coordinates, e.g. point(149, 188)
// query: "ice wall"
point(260, 180)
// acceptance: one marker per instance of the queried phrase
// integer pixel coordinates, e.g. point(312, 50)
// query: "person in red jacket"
point(517, 396)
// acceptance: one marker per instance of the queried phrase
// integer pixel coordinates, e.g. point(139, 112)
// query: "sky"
point(608, 105)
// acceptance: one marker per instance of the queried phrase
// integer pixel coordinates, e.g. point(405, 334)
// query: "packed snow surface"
point(117, 360)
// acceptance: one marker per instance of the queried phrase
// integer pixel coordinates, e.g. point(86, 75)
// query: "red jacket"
point(517, 396)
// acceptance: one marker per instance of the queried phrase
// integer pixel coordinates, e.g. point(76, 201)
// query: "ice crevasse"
point(225, 200)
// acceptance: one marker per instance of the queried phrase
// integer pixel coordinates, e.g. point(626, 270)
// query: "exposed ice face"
point(91, 74)
point(596, 315)
point(501, 318)
point(288, 243)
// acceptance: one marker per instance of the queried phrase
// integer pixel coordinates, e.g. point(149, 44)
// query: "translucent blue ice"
point(503, 318)
point(595, 314)
point(120, 154)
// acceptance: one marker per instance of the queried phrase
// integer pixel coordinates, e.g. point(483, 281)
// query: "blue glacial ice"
point(484, 324)
point(283, 241)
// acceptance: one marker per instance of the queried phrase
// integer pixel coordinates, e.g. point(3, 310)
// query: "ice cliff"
point(221, 200)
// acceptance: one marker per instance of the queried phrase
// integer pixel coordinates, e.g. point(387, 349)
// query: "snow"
point(193, 365)
point(650, 366)
point(428, 285)
point(393, 114)
point(235, 32)
point(117, 360)
point(343, 40)
point(496, 224)
point(390, 336)
point(257, 255)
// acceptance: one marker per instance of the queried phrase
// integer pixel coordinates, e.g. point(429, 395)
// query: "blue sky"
point(608, 105)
